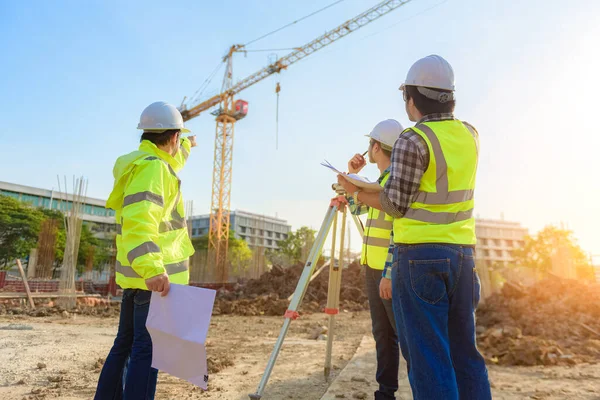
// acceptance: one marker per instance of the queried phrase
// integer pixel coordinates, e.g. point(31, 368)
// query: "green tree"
point(238, 252)
point(201, 243)
point(553, 243)
point(19, 229)
point(294, 248)
point(87, 241)
point(104, 254)
point(20, 226)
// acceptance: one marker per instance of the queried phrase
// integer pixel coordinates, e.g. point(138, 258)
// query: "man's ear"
point(378, 146)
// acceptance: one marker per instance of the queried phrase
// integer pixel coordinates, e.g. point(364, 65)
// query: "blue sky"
point(75, 76)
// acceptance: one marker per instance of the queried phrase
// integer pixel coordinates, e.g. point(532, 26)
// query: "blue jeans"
point(131, 352)
point(386, 340)
point(436, 290)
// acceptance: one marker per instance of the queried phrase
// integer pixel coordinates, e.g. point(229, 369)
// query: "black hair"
point(159, 138)
point(426, 105)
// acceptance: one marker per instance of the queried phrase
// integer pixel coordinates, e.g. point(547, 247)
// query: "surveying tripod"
point(333, 293)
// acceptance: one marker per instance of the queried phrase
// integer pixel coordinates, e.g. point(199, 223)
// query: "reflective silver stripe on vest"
point(442, 194)
point(143, 196)
point(126, 270)
point(172, 225)
point(141, 250)
point(456, 196)
point(177, 221)
point(171, 269)
point(437, 217)
point(185, 153)
point(172, 171)
point(119, 229)
point(177, 267)
point(377, 242)
point(380, 222)
point(174, 214)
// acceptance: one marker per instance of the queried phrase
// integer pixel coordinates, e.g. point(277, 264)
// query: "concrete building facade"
point(94, 210)
point(257, 230)
point(496, 239)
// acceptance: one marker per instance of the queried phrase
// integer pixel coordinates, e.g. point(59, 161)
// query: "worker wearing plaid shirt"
point(376, 240)
point(432, 281)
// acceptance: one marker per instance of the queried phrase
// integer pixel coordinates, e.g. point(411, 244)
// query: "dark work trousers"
point(131, 352)
point(386, 339)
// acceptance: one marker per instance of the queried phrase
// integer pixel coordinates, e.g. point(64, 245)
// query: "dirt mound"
point(218, 363)
point(268, 294)
point(85, 306)
point(555, 322)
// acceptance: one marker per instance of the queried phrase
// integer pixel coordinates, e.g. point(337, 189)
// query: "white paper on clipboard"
point(360, 181)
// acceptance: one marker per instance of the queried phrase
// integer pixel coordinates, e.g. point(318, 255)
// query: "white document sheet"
point(359, 181)
point(178, 324)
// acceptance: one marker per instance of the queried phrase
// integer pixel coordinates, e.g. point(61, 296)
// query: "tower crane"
point(229, 112)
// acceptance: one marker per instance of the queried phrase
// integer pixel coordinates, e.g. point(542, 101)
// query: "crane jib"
point(326, 39)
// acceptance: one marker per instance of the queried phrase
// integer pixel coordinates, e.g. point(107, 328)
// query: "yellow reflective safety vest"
point(442, 211)
point(376, 238)
point(152, 236)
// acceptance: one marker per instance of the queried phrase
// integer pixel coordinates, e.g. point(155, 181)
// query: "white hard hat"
point(386, 132)
point(431, 72)
point(161, 116)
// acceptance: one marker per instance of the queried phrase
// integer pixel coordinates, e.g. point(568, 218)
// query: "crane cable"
point(292, 23)
point(206, 82)
point(277, 90)
point(209, 79)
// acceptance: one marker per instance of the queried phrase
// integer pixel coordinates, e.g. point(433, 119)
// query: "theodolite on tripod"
point(333, 293)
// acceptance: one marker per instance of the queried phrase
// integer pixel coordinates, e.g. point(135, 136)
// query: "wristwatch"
point(355, 196)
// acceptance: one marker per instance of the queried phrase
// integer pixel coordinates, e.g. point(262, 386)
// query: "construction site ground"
point(60, 357)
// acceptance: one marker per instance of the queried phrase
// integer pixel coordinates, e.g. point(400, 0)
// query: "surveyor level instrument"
point(333, 294)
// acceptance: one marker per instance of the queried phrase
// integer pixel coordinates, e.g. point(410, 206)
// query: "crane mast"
point(230, 111)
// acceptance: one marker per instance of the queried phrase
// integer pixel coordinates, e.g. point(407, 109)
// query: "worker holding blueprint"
point(375, 252)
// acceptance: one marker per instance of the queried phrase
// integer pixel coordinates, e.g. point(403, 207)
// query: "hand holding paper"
point(178, 324)
point(357, 180)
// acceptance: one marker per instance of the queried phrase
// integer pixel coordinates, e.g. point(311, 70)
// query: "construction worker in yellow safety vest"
point(153, 245)
point(375, 249)
point(433, 283)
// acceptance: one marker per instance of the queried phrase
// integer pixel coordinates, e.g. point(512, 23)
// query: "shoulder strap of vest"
point(475, 134)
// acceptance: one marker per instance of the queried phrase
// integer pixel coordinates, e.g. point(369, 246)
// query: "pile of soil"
point(554, 322)
point(85, 306)
point(268, 294)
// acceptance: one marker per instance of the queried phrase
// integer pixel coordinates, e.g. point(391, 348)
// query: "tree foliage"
point(239, 254)
point(295, 248)
point(19, 228)
point(556, 245)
